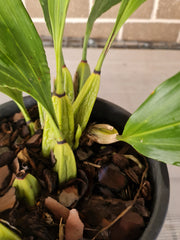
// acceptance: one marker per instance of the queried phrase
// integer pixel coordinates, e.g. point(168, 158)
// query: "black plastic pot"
point(106, 112)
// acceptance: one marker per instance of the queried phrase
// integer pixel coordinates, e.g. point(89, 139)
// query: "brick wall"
point(155, 21)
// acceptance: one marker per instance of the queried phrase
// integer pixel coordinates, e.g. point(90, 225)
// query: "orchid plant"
point(153, 129)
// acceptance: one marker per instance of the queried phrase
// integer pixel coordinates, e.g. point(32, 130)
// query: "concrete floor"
point(128, 77)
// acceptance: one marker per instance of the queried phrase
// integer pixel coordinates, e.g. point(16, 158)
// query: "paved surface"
point(128, 77)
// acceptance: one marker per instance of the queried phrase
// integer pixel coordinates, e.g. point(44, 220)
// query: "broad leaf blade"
point(154, 129)
point(23, 63)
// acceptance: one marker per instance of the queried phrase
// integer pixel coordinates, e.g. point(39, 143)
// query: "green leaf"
point(23, 63)
point(64, 75)
point(15, 94)
point(127, 8)
point(44, 5)
point(154, 129)
point(99, 7)
point(17, 97)
point(57, 13)
point(125, 11)
point(42, 114)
